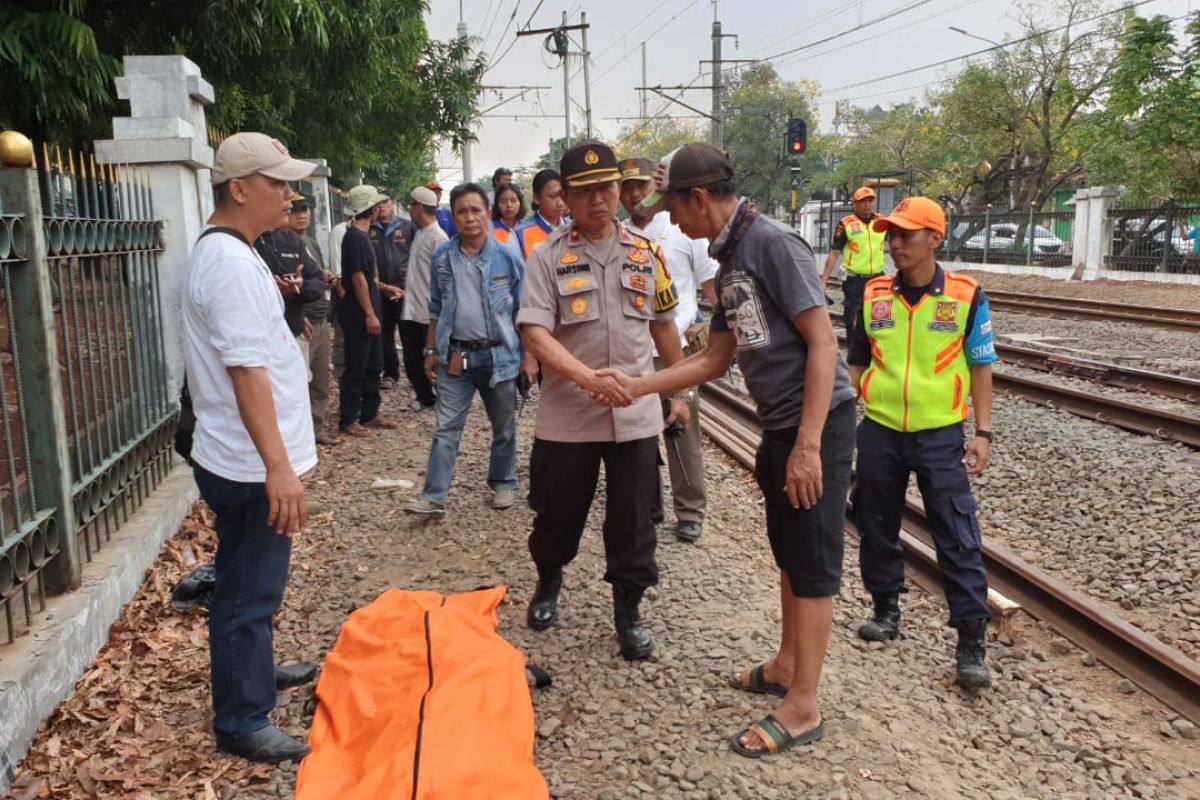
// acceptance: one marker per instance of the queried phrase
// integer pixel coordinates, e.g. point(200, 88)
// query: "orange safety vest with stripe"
point(919, 378)
point(863, 253)
point(531, 233)
point(501, 232)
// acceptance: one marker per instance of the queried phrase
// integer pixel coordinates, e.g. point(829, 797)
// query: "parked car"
point(1003, 236)
point(1125, 232)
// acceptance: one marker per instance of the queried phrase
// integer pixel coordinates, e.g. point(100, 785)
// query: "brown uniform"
point(597, 300)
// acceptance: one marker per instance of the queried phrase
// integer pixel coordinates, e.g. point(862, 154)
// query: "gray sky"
point(678, 35)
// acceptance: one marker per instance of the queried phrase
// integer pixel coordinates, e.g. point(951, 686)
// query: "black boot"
point(886, 622)
point(971, 655)
point(543, 608)
point(635, 640)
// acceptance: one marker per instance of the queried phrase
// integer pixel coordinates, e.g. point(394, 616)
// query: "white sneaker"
point(503, 498)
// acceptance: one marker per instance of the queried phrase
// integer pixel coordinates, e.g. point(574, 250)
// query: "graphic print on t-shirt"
point(743, 313)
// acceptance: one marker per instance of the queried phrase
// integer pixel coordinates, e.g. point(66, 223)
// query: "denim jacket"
point(502, 275)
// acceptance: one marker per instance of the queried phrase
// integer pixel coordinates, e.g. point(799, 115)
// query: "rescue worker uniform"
point(598, 300)
point(862, 258)
point(532, 232)
point(392, 243)
point(918, 345)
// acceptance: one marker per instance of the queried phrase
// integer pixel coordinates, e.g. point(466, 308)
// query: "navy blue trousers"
point(853, 287)
point(885, 460)
point(252, 572)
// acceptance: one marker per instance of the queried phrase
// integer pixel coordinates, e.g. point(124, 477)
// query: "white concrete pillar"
point(1099, 229)
point(321, 216)
point(165, 134)
point(1079, 232)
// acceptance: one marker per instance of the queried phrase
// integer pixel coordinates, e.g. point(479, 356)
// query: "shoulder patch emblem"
point(638, 257)
point(568, 258)
point(881, 309)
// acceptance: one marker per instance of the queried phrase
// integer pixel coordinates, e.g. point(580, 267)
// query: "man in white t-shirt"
point(414, 320)
point(691, 268)
point(253, 437)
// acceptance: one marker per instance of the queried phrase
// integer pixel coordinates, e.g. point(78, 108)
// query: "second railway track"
point(1163, 671)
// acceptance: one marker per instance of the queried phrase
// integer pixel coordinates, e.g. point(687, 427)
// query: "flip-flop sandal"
point(757, 684)
point(774, 736)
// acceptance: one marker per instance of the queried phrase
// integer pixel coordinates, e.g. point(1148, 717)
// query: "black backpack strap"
point(229, 231)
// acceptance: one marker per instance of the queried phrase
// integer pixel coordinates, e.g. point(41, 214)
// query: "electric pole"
point(466, 142)
point(562, 48)
point(718, 132)
point(644, 114)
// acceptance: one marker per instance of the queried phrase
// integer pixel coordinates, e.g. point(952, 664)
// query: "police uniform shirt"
point(597, 299)
point(978, 346)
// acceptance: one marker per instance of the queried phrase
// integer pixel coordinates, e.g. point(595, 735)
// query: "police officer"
point(596, 296)
point(391, 238)
point(924, 347)
point(861, 249)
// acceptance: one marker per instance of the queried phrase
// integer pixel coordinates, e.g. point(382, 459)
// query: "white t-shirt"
point(418, 277)
point(233, 317)
point(336, 234)
point(688, 263)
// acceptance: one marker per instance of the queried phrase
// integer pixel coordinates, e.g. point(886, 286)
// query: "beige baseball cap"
point(249, 153)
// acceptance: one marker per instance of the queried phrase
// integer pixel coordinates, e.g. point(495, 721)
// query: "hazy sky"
point(895, 35)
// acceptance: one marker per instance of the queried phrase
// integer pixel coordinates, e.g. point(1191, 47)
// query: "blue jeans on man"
point(454, 396)
point(251, 574)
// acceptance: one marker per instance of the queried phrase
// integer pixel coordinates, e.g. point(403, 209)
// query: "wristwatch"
point(983, 433)
point(429, 351)
point(685, 397)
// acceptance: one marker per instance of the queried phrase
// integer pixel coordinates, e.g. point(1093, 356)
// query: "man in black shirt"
point(359, 314)
point(391, 237)
point(299, 279)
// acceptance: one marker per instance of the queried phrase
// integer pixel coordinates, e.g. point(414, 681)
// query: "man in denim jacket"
point(473, 345)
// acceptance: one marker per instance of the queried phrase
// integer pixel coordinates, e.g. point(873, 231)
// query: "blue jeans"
point(454, 395)
point(252, 571)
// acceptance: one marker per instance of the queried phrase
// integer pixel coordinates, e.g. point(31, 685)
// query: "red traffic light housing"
point(797, 136)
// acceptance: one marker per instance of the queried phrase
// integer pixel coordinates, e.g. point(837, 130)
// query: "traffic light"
point(797, 136)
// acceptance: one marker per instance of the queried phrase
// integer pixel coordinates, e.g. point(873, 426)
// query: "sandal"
point(757, 684)
point(774, 736)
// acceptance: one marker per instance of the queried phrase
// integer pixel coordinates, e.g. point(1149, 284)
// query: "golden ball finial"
point(16, 150)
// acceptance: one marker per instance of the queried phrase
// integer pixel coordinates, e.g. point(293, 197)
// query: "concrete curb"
point(40, 669)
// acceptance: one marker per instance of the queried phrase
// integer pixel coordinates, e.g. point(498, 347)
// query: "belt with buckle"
point(473, 345)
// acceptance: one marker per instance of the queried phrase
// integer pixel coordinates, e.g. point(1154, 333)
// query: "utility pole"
point(718, 132)
point(587, 81)
point(644, 114)
point(562, 49)
point(566, 65)
point(466, 142)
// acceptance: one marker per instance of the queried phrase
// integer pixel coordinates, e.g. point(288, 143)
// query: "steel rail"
point(1162, 671)
point(1132, 379)
point(1180, 319)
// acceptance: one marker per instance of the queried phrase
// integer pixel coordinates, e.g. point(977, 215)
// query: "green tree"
point(656, 137)
point(757, 110)
point(1145, 138)
point(358, 82)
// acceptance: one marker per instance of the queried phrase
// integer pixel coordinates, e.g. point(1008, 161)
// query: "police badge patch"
point(945, 317)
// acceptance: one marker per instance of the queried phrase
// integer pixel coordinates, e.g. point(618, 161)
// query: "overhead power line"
point(985, 50)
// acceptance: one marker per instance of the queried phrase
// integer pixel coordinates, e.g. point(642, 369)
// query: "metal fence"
point(1154, 238)
point(98, 438)
point(1039, 238)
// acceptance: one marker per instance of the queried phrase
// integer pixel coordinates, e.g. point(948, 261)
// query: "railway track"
point(1162, 671)
point(1177, 319)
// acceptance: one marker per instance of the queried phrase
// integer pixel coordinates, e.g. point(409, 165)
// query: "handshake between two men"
point(613, 388)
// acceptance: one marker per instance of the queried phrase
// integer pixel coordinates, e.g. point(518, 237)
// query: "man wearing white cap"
point(253, 437)
point(360, 312)
point(414, 321)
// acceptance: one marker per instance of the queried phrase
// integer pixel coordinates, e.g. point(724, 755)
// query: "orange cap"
point(913, 214)
point(863, 193)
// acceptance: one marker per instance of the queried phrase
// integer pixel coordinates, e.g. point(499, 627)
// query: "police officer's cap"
point(301, 201)
point(587, 163)
point(636, 169)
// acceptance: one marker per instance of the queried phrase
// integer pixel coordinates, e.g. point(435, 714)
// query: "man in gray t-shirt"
point(773, 318)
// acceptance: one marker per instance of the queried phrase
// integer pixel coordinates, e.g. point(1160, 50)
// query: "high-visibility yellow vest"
point(863, 253)
point(919, 378)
